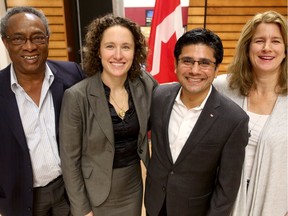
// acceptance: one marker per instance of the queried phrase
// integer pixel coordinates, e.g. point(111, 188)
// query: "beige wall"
point(4, 60)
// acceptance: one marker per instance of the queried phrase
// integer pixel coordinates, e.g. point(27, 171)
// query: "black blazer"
point(16, 176)
point(204, 179)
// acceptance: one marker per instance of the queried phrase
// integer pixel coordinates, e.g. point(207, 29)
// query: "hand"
point(89, 214)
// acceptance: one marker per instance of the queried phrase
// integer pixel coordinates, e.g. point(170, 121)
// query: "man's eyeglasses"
point(21, 39)
point(203, 63)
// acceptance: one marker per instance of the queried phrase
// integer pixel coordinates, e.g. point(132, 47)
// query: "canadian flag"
point(166, 28)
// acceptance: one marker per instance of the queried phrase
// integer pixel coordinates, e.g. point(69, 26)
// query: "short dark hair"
point(24, 9)
point(200, 36)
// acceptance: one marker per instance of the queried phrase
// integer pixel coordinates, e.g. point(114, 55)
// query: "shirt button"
point(172, 172)
point(163, 188)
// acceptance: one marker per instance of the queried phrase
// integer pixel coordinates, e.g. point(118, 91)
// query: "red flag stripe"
point(166, 28)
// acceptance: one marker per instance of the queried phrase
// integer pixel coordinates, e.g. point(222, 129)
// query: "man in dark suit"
point(198, 136)
point(31, 90)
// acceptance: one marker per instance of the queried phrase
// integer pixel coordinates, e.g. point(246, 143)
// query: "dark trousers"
point(51, 200)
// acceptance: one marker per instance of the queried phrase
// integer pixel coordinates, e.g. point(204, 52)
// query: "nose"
point(267, 45)
point(195, 67)
point(29, 45)
point(118, 53)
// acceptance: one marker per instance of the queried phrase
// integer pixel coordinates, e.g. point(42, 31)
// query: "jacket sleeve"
point(70, 128)
point(229, 172)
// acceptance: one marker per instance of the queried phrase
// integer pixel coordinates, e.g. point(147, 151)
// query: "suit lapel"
point(57, 94)
point(10, 110)
point(138, 95)
point(98, 103)
point(168, 101)
point(206, 119)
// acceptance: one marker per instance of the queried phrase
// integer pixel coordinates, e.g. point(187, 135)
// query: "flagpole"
point(205, 14)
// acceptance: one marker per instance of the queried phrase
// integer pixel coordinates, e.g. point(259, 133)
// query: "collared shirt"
point(39, 126)
point(181, 124)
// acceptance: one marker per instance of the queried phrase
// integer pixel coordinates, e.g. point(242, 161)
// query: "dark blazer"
point(204, 179)
point(16, 176)
point(87, 141)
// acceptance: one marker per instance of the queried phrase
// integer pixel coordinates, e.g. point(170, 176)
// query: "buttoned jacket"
point(205, 177)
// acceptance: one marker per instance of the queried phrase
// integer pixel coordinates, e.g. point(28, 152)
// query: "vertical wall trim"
point(118, 8)
point(79, 30)
point(205, 14)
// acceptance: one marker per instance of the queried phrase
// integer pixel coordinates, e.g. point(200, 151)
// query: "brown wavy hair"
point(240, 69)
point(92, 62)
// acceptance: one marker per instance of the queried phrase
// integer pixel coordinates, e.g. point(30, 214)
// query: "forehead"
point(116, 34)
point(197, 51)
point(25, 23)
point(267, 29)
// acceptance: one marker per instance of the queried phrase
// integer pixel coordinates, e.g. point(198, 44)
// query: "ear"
point(216, 71)
point(175, 63)
point(4, 40)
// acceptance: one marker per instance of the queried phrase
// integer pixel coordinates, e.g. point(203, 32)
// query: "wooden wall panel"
point(247, 3)
point(54, 11)
point(35, 3)
point(248, 10)
point(226, 18)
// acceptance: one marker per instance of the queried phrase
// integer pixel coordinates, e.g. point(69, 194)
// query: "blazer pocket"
point(210, 144)
point(200, 200)
point(87, 171)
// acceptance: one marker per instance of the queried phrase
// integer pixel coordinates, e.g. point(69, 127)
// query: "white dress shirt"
point(181, 124)
point(39, 126)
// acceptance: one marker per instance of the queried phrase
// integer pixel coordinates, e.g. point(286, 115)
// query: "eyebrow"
point(274, 37)
point(113, 43)
point(200, 59)
point(33, 33)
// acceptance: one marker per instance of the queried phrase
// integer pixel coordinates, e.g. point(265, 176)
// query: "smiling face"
point(196, 81)
point(28, 58)
point(267, 49)
point(117, 51)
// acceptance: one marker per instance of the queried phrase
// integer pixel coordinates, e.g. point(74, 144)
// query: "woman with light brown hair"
point(257, 81)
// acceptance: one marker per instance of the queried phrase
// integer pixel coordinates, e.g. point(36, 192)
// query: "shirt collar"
point(49, 77)
point(200, 107)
